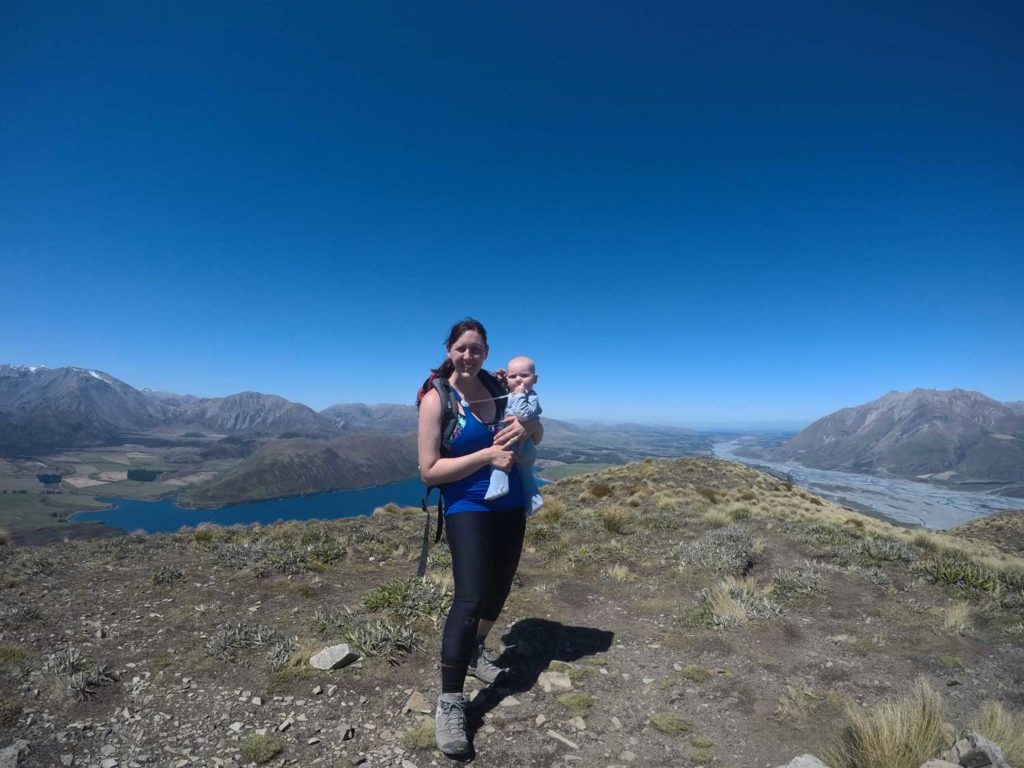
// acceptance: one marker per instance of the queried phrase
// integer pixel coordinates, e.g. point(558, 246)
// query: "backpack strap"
point(497, 389)
point(449, 411)
point(421, 569)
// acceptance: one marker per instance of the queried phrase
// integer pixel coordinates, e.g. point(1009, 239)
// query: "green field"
point(558, 471)
point(35, 510)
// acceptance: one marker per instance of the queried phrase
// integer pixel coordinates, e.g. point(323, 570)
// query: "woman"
point(485, 537)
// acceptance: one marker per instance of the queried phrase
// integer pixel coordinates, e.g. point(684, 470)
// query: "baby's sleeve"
point(524, 407)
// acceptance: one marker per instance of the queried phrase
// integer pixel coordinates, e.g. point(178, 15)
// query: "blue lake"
point(165, 515)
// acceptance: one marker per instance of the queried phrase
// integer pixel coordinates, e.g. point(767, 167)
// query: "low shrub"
point(410, 599)
point(670, 723)
point(259, 749)
point(577, 703)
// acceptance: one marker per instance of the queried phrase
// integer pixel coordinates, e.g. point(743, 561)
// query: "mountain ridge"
point(954, 434)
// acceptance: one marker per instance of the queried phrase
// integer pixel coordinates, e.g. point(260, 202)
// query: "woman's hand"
point(501, 458)
point(515, 432)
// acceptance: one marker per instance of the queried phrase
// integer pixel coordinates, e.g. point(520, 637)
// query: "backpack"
point(449, 420)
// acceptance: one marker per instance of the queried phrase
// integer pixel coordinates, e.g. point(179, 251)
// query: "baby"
point(524, 405)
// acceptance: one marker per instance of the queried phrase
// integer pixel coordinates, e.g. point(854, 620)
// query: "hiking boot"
point(450, 724)
point(482, 666)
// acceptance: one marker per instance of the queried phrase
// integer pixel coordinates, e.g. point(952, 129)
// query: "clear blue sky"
point(746, 213)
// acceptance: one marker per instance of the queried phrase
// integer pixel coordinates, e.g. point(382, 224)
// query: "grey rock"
point(9, 755)
point(804, 761)
point(975, 751)
point(334, 657)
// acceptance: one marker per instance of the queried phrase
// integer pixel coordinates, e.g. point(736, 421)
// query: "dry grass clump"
point(716, 518)
point(1005, 728)
point(617, 519)
point(619, 573)
point(420, 737)
point(899, 733)
point(600, 489)
point(957, 616)
point(708, 493)
point(798, 703)
point(551, 512)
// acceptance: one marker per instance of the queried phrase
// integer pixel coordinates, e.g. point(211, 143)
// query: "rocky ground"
point(668, 613)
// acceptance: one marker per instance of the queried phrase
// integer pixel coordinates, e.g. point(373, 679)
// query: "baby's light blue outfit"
point(525, 407)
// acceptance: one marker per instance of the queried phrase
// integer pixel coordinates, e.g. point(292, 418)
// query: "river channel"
point(910, 503)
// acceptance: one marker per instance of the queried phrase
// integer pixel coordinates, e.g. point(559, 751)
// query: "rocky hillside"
point(686, 612)
point(253, 413)
point(299, 467)
point(956, 435)
point(383, 417)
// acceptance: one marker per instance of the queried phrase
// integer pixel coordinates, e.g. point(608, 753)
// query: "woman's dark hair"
point(446, 368)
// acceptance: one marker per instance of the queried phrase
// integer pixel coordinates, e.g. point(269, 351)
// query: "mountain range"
point(54, 409)
point(954, 435)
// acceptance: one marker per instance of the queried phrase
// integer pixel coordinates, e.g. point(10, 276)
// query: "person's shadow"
point(530, 646)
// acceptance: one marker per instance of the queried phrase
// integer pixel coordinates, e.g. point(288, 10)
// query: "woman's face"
point(468, 354)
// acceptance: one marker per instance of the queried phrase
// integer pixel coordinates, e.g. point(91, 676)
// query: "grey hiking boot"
point(450, 724)
point(482, 666)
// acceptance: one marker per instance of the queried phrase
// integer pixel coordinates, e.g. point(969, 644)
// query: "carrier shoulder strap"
point(449, 410)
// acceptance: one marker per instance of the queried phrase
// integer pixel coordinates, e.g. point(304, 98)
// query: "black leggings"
point(485, 550)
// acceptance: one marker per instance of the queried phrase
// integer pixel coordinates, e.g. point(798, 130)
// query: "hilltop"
point(666, 613)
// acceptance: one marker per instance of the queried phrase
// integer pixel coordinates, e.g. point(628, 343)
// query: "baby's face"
point(521, 374)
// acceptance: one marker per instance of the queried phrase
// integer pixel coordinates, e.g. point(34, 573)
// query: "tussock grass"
point(617, 519)
point(956, 617)
point(1003, 727)
point(899, 733)
point(551, 513)
point(716, 518)
point(708, 493)
point(600, 489)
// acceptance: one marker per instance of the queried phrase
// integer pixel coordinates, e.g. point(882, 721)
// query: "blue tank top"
point(467, 494)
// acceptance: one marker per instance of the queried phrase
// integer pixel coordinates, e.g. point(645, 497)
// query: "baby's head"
point(522, 374)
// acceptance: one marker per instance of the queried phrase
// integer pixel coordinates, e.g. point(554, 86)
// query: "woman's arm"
point(518, 430)
point(435, 470)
